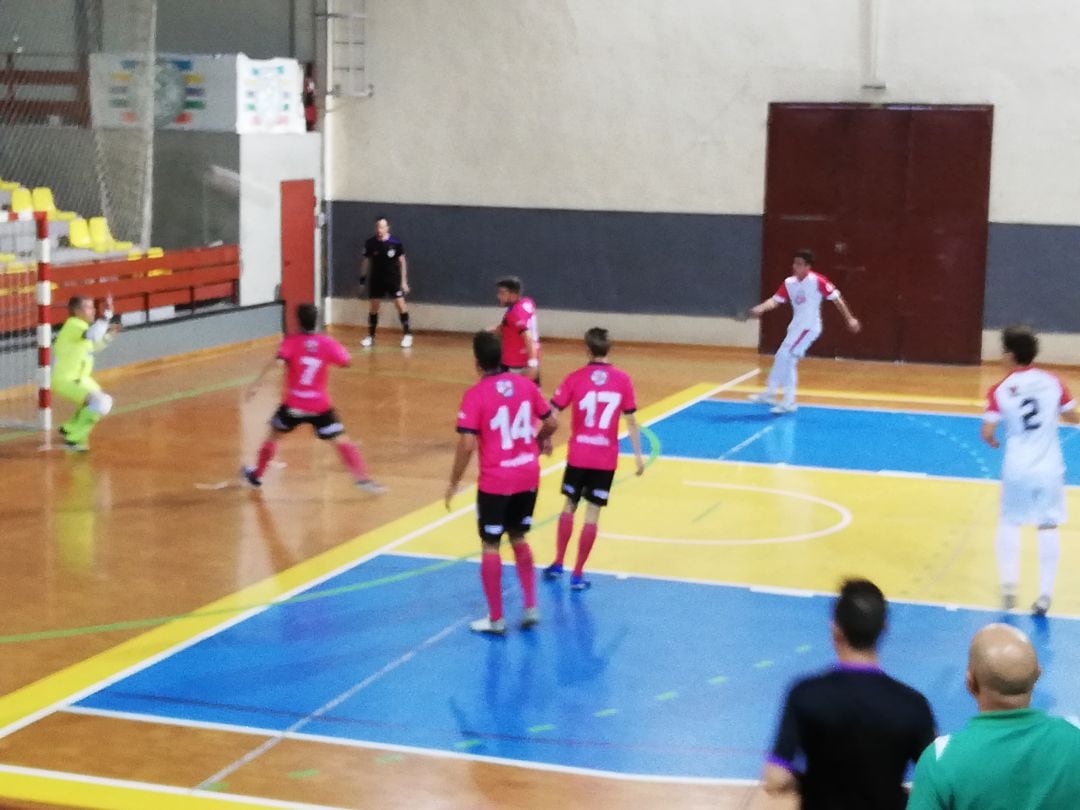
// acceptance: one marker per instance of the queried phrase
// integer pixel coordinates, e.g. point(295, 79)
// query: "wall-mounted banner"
point(223, 93)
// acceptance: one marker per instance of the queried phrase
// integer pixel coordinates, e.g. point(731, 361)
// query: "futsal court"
point(711, 593)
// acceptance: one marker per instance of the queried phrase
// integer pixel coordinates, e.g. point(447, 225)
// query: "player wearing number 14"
point(496, 416)
point(1028, 402)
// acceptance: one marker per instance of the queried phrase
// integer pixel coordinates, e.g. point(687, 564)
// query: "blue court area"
point(637, 675)
point(841, 439)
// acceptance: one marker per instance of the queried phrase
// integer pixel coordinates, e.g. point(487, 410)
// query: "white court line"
point(845, 521)
point(625, 575)
point(345, 742)
point(251, 801)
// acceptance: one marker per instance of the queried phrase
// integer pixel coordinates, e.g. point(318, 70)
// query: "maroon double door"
point(894, 202)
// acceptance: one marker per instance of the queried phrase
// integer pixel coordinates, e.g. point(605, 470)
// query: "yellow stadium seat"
point(21, 200)
point(6, 257)
point(79, 234)
point(160, 271)
point(9, 185)
point(155, 253)
point(134, 255)
point(102, 239)
point(43, 201)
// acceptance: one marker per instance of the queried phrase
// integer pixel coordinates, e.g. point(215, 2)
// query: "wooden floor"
point(125, 532)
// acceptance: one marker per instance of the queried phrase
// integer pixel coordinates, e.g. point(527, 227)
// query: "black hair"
point(75, 302)
point(308, 316)
point(598, 342)
point(806, 255)
point(860, 613)
point(1021, 343)
point(487, 349)
point(382, 217)
point(510, 284)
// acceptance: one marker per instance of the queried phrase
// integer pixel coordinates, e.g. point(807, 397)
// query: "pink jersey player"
point(500, 410)
point(499, 414)
point(597, 393)
point(308, 358)
point(518, 329)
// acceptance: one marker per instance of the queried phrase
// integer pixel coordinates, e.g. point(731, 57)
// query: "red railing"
point(180, 278)
point(22, 108)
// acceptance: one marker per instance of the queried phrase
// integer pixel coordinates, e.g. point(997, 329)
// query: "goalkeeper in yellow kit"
point(78, 339)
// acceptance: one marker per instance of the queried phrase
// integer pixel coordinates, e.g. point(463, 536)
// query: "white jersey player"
point(804, 290)
point(1028, 403)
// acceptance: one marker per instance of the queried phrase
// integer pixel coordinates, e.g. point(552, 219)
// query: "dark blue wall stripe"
point(674, 264)
point(690, 264)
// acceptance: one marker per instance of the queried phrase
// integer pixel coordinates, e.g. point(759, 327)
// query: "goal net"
point(91, 174)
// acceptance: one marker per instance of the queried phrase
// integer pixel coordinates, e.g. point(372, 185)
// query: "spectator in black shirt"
point(387, 275)
point(847, 735)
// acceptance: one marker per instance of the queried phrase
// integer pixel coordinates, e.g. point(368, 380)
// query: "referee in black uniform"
point(847, 735)
point(387, 273)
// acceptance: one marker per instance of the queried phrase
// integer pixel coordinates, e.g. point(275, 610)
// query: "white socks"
point(1008, 557)
point(1049, 554)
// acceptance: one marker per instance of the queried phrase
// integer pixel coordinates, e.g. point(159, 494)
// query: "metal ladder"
point(346, 34)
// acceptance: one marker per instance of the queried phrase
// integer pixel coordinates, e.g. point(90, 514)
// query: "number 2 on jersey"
point(609, 399)
point(518, 429)
point(1029, 409)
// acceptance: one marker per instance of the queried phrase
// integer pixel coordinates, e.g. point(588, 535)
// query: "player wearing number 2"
point(497, 416)
point(307, 357)
point(1028, 402)
point(597, 393)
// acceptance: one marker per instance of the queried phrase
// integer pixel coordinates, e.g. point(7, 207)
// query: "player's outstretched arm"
point(768, 305)
point(987, 432)
point(635, 442)
point(852, 322)
point(404, 275)
point(465, 447)
point(1072, 416)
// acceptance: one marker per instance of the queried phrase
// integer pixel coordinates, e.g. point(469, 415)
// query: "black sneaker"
point(248, 474)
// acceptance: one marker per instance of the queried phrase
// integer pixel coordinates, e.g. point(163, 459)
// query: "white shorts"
point(798, 341)
point(1034, 500)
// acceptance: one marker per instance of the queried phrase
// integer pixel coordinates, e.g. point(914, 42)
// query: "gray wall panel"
point(192, 204)
point(1031, 277)
point(182, 335)
point(691, 264)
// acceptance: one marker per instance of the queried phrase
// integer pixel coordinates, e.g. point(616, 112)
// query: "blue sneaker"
point(579, 583)
point(553, 571)
point(248, 474)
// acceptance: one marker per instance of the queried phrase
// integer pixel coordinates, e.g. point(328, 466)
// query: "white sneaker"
point(531, 617)
point(762, 398)
point(406, 341)
point(486, 625)
point(1041, 606)
point(782, 408)
point(371, 485)
point(367, 342)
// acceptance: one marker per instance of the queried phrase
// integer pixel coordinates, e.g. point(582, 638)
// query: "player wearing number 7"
point(1028, 402)
point(497, 416)
point(307, 357)
point(597, 393)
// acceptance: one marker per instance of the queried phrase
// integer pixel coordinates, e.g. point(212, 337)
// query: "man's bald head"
point(1002, 668)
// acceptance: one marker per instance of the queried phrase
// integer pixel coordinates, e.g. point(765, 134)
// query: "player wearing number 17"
point(497, 416)
point(1028, 402)
point(596, 394)
point(307, 357)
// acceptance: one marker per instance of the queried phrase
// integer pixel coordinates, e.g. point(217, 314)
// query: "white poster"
point(269, 95)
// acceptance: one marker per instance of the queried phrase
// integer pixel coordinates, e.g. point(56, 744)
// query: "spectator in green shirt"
point(1009, 756)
